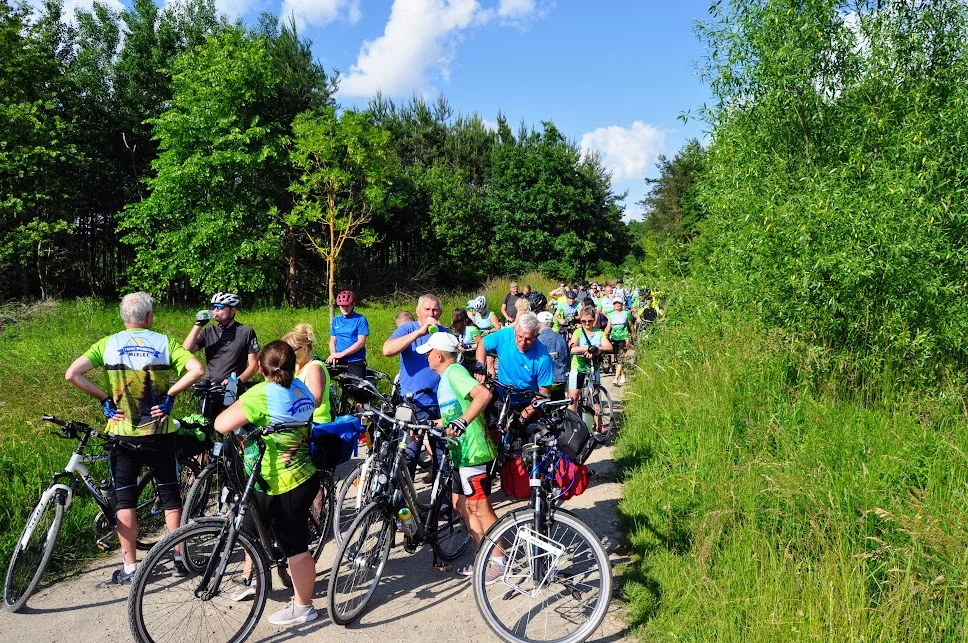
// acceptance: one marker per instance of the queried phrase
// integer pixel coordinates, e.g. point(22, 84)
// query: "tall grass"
point(762, 510)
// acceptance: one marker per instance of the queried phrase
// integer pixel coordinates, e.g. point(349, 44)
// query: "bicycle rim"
point(28, 562)
point(163, 607)
point(359, 564)
point(202, 497)
point(346, 509)
point(565, 605)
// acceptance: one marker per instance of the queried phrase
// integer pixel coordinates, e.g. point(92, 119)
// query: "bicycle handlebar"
point(413, 426)
point(282, 426)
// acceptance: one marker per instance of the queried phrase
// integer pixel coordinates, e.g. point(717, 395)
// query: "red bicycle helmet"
point(345, 298)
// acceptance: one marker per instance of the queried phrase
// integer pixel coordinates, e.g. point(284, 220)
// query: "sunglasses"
point(588, 321)
point(219, 306)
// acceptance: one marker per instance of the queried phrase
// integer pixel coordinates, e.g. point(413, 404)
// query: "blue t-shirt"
point(521, 370)
point(558, 350)
point(415, 371)
point(347, 329)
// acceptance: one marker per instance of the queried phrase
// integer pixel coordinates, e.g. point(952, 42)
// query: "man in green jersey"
point(462, 399)
point(138, 364)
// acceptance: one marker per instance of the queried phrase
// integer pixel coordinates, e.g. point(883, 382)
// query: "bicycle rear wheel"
point(163, 606)
point(321, 515)
point(151, 513)
point(346, 508)
point(450, 538)
point(566, 604)
point(359, 564)
point(604, 430)
point(32, 551)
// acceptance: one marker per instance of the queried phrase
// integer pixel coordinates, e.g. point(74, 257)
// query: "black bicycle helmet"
point(538, 301)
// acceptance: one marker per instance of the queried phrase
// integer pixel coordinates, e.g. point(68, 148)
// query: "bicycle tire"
point(151, 515)
point(604, 429)
point(200, 501)
point(345, 514)
point(363, 550)
point(321, 518)
point(182, 616)
point(509, 593)
point(21, 583)
point(450, 537)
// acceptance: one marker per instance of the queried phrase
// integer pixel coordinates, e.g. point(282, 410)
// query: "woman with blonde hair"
point(311, 370)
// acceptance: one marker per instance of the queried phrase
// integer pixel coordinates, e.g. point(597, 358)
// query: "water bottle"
point(231, 390)
point(407, 524)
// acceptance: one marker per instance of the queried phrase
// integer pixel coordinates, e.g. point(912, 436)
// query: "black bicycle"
point(218, 554)
point(32, 553)
point(541, 574)
point(366, 546)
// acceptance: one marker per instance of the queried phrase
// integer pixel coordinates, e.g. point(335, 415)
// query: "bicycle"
point(164, 606)
point(595, 406)
point(33, 551)
point(555, 583)
point(366, 547)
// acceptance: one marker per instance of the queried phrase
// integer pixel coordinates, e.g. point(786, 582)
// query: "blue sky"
point(613, 75)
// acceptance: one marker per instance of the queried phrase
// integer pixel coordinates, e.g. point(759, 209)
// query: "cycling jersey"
point(227, 349)
point(620, 325)
point(566, 311)
point(454, 396)
point(286, 463)
point(579, 363)
point(323, 413)
point(347, 330)
point(138, 364)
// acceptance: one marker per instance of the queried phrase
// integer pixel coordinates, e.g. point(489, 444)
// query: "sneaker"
point(119, 577)
point(494, 571)
point(180, 568)
point(245, 589)
point(292, 614)
point(466, 570)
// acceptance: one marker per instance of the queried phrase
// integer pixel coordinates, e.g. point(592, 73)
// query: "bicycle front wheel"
point(359, 564)
point(164, 606)
point(450, 537)
point(553, 586)
point(604, 431)
point(349, 501)
point(32, 552)
point(321, 515)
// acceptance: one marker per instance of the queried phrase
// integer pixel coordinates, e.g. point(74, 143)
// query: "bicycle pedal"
point(444, 567)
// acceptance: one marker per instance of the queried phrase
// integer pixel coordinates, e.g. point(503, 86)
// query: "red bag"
point(515, 481)
point(572, 478)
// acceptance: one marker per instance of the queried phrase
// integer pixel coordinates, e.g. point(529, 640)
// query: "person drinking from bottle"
point(138, 364)
point(287, 483)
point(462, 400)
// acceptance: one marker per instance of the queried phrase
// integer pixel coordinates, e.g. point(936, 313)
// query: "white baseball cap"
point(442, 341)
point(545, 317)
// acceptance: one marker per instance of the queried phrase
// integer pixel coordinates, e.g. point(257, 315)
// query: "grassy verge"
point(37, 345)
point(759, 511)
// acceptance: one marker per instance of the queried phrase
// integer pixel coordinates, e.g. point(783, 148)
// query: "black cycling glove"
point(458, 426)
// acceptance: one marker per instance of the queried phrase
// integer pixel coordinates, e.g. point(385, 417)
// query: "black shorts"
point(158, 453)
point(618, 347)
point(287, 515)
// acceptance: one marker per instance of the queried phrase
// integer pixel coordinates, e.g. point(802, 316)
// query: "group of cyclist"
point(526, 351)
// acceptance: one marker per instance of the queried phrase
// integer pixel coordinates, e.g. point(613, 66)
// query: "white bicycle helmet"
point(229, 299)
point(479, 303)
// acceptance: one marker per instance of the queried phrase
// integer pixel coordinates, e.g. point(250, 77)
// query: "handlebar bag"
point(333, 443)
point(574, 440)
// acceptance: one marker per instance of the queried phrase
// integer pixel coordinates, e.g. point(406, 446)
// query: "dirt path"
point(414, 602)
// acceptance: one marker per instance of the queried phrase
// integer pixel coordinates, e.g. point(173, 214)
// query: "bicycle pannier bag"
point(574, 440)
point(332, 443)
point(572, 478)
point(515, 481)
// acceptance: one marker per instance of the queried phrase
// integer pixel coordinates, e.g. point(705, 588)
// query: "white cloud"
point(488, 124)
point(321, 12)
point(629, 152)
point(419, 42)
point(70, 6)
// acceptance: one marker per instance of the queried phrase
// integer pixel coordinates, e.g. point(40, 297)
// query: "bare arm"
point(504, 311)
point(250, 369)
point(494, 320)
point(76, 375)
point(231, 419)
point(480, 398)
point(191, 342)
point(194, 371)
point(314, 382)
point(357, 345)
point(396, 345)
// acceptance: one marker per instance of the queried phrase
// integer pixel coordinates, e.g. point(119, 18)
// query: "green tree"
point(346, 164)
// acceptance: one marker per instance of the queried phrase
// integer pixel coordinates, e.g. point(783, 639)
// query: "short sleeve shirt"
point(558, 351)
point(620, 325)
point(578, 362)
point(227, 349)
point(415, 372)
point(286, 463)
point(138, 364)
point(466, 338)
point(528, 370)
point(509, 301)
point(454, 395)
point(347, 330)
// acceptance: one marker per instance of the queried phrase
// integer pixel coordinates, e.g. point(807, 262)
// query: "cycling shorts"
point(576, 380)
point(287, 516)
point(474, 482)
point(618, 347)
point(158, 453)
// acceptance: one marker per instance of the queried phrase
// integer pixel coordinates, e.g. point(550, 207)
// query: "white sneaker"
point(494, 571)
point(246, 589)
point(292, 614)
